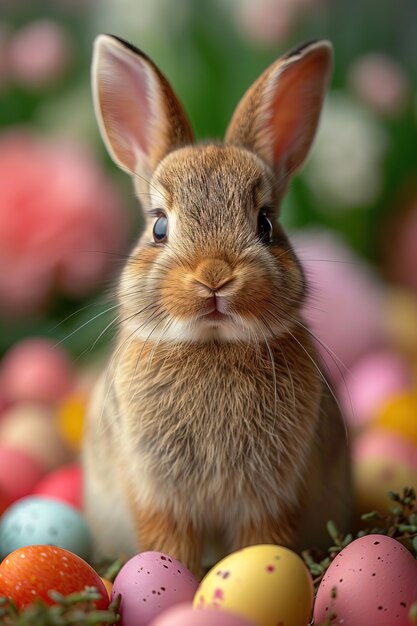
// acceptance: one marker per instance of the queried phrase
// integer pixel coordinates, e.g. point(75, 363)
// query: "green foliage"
point(77, 609)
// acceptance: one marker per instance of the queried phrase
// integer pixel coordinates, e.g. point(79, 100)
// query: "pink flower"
point(268, 22)
point(59, 215)
point(380, 82)
point(39, 53)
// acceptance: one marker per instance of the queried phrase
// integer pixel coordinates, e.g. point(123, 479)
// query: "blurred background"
point(68, 216)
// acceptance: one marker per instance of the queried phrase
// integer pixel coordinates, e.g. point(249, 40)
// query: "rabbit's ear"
point(138, 113)
point(278, 116)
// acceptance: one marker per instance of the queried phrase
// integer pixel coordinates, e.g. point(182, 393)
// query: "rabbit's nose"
point(214, 274)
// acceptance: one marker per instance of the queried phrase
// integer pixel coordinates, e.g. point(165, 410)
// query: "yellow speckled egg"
point(71, 419)
point(267, 584)
point(399, 415)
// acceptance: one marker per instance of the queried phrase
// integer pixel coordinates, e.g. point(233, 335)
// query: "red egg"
point(19, 472)
point(36, 370)
point(64, 484)
point(29, 573)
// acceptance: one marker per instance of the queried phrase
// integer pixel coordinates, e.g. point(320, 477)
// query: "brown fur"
point(225, 428)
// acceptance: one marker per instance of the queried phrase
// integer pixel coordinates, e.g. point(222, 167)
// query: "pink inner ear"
point(295, 109)
point(126, 113)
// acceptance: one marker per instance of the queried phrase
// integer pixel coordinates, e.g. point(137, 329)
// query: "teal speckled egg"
point(36, 520)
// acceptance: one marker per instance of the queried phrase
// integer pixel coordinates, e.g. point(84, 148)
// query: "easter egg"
point(149, 583)
point(383, 462)
point(64, 484)
point(186, 615)
point(38, 520)
point(36, 369)
point(29, 573)
point(370, 383)
point(375, 579)
point(399, 415)
point(71, 419)
point(32, 429)
point(266, 584)
point(19, 472)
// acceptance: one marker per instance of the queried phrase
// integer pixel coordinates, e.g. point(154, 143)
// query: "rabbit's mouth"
point(216, 316)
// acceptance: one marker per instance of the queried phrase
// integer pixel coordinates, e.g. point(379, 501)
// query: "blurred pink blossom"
point(266, 21)
point(270, 21)
point(59, 215)
point(380, 82)
point(39, 53)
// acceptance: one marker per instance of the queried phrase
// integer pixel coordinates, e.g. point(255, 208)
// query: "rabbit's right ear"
point(139, 116)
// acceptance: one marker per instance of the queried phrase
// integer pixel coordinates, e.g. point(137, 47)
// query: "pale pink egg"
point(344, 305)
point(32, 429)
point(371, 381)
point(185, 615)
point(382, 462)
point(380, 443)
point(36, 369)
point(19, 472)
point(64, 484)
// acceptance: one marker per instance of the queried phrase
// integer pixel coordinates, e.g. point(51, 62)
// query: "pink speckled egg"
point(370, 382)
point(149, 583)
point(36, 370)
point(376, 582)
point(185, 615)
point(19, 472)
point(64, 484)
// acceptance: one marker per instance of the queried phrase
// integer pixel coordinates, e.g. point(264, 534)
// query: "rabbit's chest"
point(222, 416)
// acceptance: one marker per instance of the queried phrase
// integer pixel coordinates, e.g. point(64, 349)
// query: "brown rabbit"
point(212, 418)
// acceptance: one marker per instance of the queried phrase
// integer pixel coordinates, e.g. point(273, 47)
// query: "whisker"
point(85, 324)
point(324, 379)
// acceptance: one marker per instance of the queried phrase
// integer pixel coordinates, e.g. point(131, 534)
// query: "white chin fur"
point(179, 331)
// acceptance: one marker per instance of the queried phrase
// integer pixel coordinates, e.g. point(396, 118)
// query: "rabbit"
point(212, 421)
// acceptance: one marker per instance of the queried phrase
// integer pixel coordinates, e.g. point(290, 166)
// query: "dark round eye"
point(160, 229)
point(264, 227)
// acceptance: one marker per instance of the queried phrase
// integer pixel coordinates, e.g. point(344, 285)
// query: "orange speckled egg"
point(29, 573)
point(108, 585)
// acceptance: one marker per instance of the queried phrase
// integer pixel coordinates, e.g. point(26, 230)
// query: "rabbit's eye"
point(160, 229)
point(264, 227)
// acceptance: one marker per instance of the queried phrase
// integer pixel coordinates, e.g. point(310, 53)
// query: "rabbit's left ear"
point(278, 116)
